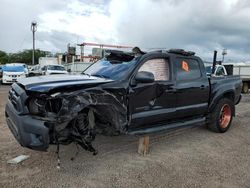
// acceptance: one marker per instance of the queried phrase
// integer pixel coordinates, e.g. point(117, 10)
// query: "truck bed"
point(223, 83)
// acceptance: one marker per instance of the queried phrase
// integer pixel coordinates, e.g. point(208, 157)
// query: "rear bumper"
point(29, 132)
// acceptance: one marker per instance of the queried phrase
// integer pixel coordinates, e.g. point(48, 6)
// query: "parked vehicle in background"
point(1, 71)
point(26, 70)
point(243, 71)
point(53, 69)
point(47, 70)
point(35, 70)
point(47, 66)
point(220, 70)
point(12, 72)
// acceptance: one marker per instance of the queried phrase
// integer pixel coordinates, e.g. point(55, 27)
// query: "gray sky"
point(197, 25)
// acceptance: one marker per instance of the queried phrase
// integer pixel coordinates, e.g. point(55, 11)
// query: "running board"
point(162, 128)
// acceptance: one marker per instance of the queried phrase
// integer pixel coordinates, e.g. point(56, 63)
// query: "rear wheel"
point(222, 116)
point(245, 87)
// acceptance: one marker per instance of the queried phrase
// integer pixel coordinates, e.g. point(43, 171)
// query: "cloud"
point(91, 23)
point(16, 17)
point(200, 26)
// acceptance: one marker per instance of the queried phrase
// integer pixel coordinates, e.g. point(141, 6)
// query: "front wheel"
point(222, 116)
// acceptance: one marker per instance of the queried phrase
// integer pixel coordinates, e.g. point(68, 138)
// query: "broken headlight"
point(36, 106)
point(53, 105)
point(43, 105)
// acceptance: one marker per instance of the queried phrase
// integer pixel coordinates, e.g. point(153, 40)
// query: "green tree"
point(3, 57)
point(25, 56)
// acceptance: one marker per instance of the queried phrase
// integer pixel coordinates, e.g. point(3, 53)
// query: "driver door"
point(154, 102)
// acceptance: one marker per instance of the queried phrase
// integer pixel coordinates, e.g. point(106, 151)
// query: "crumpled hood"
point(47, 83)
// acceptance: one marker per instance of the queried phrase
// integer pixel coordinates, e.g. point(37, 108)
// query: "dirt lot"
point(185, 158)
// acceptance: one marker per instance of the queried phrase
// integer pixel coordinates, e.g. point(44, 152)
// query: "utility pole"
point(82, 53)
point(33, 29)
point(224, 52)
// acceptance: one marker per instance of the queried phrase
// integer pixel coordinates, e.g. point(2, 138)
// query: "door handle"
point(170, 88)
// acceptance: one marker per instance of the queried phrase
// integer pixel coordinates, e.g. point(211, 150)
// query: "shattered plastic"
point(83, 114)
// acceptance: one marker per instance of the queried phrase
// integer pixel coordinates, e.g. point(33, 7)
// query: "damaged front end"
point(74, 108)
point(76, 117)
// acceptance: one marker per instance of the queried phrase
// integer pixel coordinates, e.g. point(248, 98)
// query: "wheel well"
point(229, 95)
point(105, 119)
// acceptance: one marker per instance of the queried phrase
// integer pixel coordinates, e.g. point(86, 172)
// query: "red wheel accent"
point(225, 116)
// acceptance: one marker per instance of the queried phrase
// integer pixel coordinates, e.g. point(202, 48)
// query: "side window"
point(159, 67)
point(187, 69)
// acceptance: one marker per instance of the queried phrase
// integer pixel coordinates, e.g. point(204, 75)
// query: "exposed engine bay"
point(78, 116)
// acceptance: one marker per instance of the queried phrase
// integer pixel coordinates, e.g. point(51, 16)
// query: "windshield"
point(55, 67)
point(105, 69)
point(19, 68)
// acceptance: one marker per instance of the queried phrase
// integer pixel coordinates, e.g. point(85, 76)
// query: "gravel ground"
point(193, 157)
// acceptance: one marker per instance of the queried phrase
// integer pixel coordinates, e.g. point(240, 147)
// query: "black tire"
point(245, 87)
point(218, 121)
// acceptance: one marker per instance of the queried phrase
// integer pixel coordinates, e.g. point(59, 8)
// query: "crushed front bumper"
point(29, 132)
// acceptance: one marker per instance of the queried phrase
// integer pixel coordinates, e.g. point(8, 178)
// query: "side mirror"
point(145, 77)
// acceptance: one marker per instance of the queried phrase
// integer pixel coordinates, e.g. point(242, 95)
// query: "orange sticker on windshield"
point(184, 66)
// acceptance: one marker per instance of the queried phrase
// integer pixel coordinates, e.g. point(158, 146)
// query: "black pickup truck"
point(123, 93)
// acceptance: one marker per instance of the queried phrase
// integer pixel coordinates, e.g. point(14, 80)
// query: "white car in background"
point(12, 72)
point(26, 70)
point(53, 69)
point(35, 70)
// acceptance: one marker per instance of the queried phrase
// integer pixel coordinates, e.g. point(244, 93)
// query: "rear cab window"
point(187, 69)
